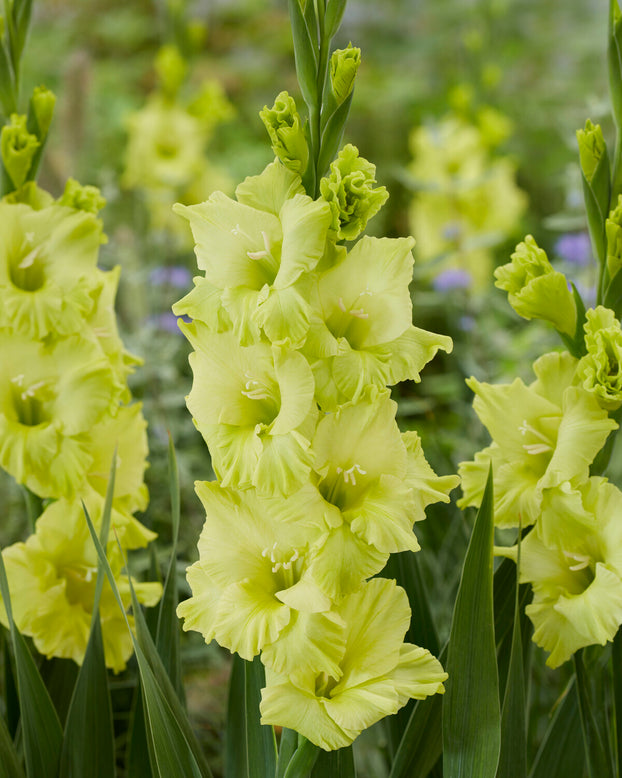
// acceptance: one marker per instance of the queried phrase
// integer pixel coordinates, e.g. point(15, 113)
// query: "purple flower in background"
point(167, 321)
point(173, 275)
point(452, 278)
point(575, 248)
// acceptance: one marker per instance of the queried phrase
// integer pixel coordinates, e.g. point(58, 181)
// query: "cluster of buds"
point(467, 201)
point(165, 158)
point(546, 437)
point(296, 342)
point(65, 409)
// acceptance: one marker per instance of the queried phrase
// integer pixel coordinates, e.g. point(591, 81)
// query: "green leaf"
point(251, 746)
point(8, 96)
point(137, 755)
point(11, 701)
point(167, 632)
point(562, 752)
point(22, 11)
point(8, 755)
point(513, 753)
point(332, 134)
point(88, 745)
point(334, 15)
point(422, 741)
point(598, 758)
point(471, 717)
point(614, 58)
point(41, 728)
point(174, 750)
point(305, 54)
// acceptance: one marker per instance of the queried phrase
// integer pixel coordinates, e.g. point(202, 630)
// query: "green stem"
point(322, 72)
point(288, 745)
point(303, 760)
point(34, 507)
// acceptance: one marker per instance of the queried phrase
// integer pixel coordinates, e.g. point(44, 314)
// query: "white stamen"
point(29, 237)
point(341, 304)
point(535, 448)
point(256, 394)
point(583, 561)
point(349, 476)
point(359, 313)
point(31, 391)
point(29, 259)
point(18, 379)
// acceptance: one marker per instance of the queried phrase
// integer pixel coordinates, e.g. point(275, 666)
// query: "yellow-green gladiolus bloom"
point(361, 333)
point(254, 406)
point(51, 396)
point(251, 587)
point(543, 434)
point(48, 260)
point(52, 582)
point(573, 560)
point(255, 251)
point(377, 674)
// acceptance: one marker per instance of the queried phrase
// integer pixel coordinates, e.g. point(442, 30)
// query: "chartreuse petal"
point(270, 189)
point(125, 433)
point(304, 223)
point(343, 561)
point(365, 297)
point(284, 315)
point(428, 488)
point(225, 231)
point(204, 304)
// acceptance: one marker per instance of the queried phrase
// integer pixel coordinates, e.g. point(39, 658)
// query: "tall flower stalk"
point(297, 339)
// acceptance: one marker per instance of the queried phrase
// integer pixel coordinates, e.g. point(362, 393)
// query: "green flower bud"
point(535, 290)
point(171, 68)
point(18, 147)
point(349, 192)
point(613, 231)
point(600, 370)
point(591, 148)
point(343, 66)
point(82, 198)
point(42, 105)
point(284, 127)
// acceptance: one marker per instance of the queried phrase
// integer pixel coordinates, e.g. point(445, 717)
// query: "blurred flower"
point(575, 248)
point(452, 278)
point(466, 199)
point(171, 275)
